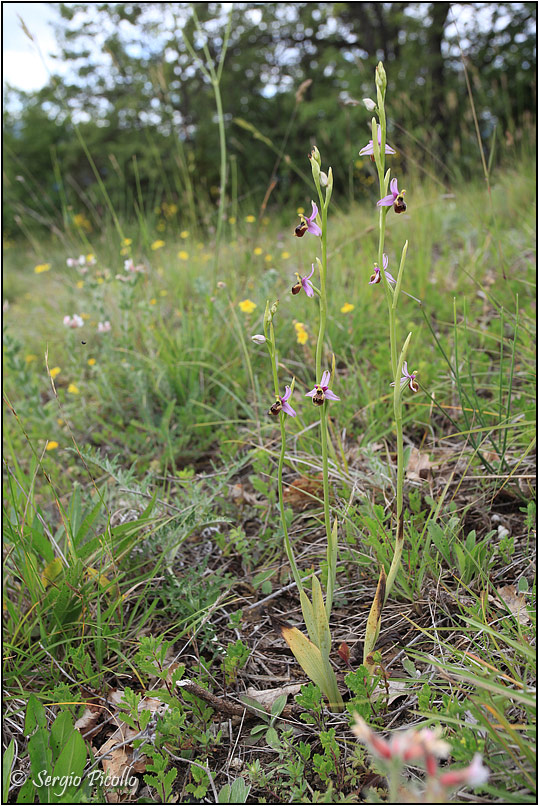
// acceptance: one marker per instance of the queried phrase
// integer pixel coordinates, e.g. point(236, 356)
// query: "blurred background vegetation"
point(138, 103)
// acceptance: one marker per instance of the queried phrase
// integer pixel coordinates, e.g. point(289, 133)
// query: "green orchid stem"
point(396, 365)
point(324, 412)
point(287, 544)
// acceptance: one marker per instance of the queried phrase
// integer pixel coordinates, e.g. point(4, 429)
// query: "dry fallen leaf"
point(240, 496)
point(266, 697)
point(516, 602)
point(90, 722)
point(304, 492)
point(419, 466)
point(395, 689)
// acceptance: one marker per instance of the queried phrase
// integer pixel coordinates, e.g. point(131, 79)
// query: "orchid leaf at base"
point(373, 622)
point(315, 666)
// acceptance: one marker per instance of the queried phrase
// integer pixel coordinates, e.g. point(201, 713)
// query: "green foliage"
point(235, 658)
point(362, 684)
point(57, 758)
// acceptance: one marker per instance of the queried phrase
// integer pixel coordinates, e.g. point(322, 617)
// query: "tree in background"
point(148, 115)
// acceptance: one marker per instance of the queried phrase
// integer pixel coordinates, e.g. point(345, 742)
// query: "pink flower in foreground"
point(305, 283)
point(308, 224)
point(322, 391)
point(408, 745)
point(394, 199)
point(104, 327)
point(73, 321)
point(368, 150)
point(376, 278)
point(281, 404)
point(475, 774)
point(408, 379)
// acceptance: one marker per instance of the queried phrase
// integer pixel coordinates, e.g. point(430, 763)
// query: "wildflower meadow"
point(269, 436)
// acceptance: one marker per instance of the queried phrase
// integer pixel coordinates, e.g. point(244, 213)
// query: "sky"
point(23, 67)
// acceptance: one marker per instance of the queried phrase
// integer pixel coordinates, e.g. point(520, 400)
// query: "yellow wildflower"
point(184, 234)
point(183, 255)
point(232, 219)
point(153, 301)
point(301, 333)
point(163, 292)
point(55, 371)
point(127, 242)
point(80, 284)
point(267, 258)
point(51, 445)
point(250, 219)
point(99, 280)
point(41, 267)
point(60, 421)
point(72, 389)
point(85, 315)
point(257, 250)
point(30, 357)
point(285, 255)
point(124, 251)
point(157, 245)
point(81, 221)
point(347, 307)
point(247, 306)
point(91, 362)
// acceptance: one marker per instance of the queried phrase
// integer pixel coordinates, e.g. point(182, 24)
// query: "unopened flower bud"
point(258, 338)
point(273, 309)
point(381, 78)
point(330, 178)
point(315, 156)
point(323, 179)
point(370, 105)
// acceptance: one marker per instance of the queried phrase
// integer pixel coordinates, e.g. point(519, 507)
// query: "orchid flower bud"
point(370, 105)
point(323, 179)
point(381, 78)
point(315, 156)
point(258, 338)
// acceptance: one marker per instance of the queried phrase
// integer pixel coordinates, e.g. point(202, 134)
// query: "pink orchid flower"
point(376, 277)
point(394, 199)
point(305, 283)
point(308, 224)
point(281, 404)
point(368, 150)
point(408, 379)
point(322, 391)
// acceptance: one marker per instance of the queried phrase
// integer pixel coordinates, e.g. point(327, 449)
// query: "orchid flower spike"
point(321, 391)
point(375, 278)
point(308, 224)
point(368, 150)
point(305, 283)
point(394, 199)
point(281, 404)
point(408, 379)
